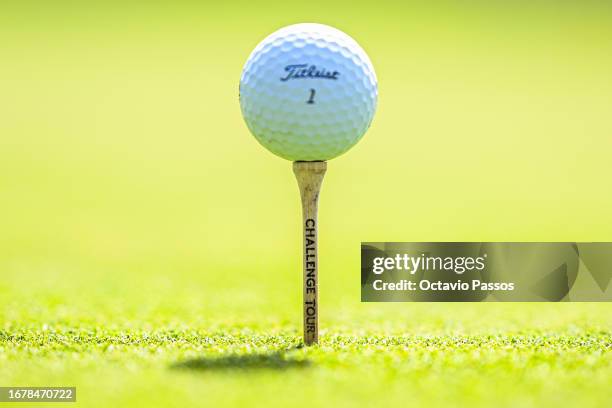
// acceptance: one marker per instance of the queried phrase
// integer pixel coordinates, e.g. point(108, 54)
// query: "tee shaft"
point(309, 176)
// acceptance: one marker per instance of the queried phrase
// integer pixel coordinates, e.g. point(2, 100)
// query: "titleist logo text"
point(299, 71)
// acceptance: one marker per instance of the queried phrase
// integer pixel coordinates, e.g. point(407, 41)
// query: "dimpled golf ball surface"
point(308, 92)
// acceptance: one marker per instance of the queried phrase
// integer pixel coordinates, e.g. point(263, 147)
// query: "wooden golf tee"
point(309, 176)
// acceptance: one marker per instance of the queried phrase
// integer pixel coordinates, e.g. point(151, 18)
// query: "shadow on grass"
point(243, 362)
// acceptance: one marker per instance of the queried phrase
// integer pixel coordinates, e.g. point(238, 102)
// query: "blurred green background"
point(135, 202)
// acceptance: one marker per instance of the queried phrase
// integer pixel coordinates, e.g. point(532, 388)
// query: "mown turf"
point(154, 333)
point(236, 366)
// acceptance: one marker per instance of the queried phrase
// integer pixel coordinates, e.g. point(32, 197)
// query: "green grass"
point(434, 355)
point(233, 366)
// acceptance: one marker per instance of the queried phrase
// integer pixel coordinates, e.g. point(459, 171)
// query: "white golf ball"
point(308, 92)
